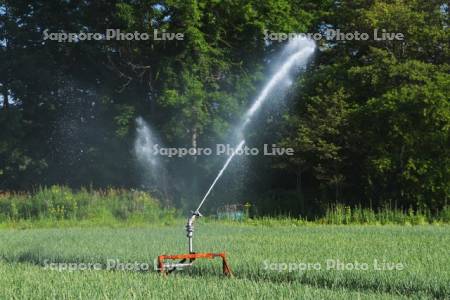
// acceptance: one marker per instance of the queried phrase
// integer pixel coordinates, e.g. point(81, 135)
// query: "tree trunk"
point(194, 137)
point(300, 191)
point(194, 140)
point(299, 181)
point(336, 192)
point(5, 99)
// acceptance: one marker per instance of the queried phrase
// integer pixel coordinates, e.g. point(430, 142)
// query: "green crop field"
point(260, 257)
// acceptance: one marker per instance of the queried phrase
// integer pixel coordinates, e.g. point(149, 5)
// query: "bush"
point(62, 203)
point(445, 214)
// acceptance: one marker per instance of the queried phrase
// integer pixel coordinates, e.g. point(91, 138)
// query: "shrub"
point(62, 203)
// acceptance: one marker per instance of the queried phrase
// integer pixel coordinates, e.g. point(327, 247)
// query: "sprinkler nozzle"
point(190, 228)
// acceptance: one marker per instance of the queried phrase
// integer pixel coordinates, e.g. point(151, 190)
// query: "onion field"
point(268, 262)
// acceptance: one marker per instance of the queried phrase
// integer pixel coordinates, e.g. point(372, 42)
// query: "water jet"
point(296, 52)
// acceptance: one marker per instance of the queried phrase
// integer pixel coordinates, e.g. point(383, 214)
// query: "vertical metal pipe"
point(190, 230)
point(191, 248)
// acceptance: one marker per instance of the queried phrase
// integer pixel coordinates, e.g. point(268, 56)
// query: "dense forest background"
point(369, 120)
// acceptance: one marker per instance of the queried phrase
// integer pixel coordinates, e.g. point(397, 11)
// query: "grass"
point(59, 225)
point(28, 281)
point(422, 249)
point(60, 206)
point(342, 215)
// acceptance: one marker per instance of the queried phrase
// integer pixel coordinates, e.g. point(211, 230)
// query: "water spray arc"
point(296, 52)
point(239, 148)
point(151, 165)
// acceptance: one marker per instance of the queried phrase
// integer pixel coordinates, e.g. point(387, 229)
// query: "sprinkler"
point(297, 51)
point(187, 260)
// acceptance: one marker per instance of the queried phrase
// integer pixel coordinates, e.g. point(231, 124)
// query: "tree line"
point(369, 120)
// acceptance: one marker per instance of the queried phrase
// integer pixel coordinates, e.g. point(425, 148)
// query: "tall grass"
point(341, 214)
point(60, 203)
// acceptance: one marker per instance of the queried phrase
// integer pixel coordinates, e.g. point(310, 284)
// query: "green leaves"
point(377, 114)
point(125, 15)
point(369, 121)
point(124, 119)
point(414, 135)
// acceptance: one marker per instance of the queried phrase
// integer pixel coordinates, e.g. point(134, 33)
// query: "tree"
point(378, 109)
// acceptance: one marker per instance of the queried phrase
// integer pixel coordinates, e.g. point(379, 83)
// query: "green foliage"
point(124, 120)
point(416, 115)
point(61, 206)
point(445, 214)
point(369, 123)
point(372, 120)
point(341, 214)
point(59, 203)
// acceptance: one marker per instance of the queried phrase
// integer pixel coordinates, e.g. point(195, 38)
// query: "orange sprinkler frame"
point(168, 268)
point(186, 260)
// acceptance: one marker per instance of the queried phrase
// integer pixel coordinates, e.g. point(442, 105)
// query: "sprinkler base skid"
point(167, 267)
